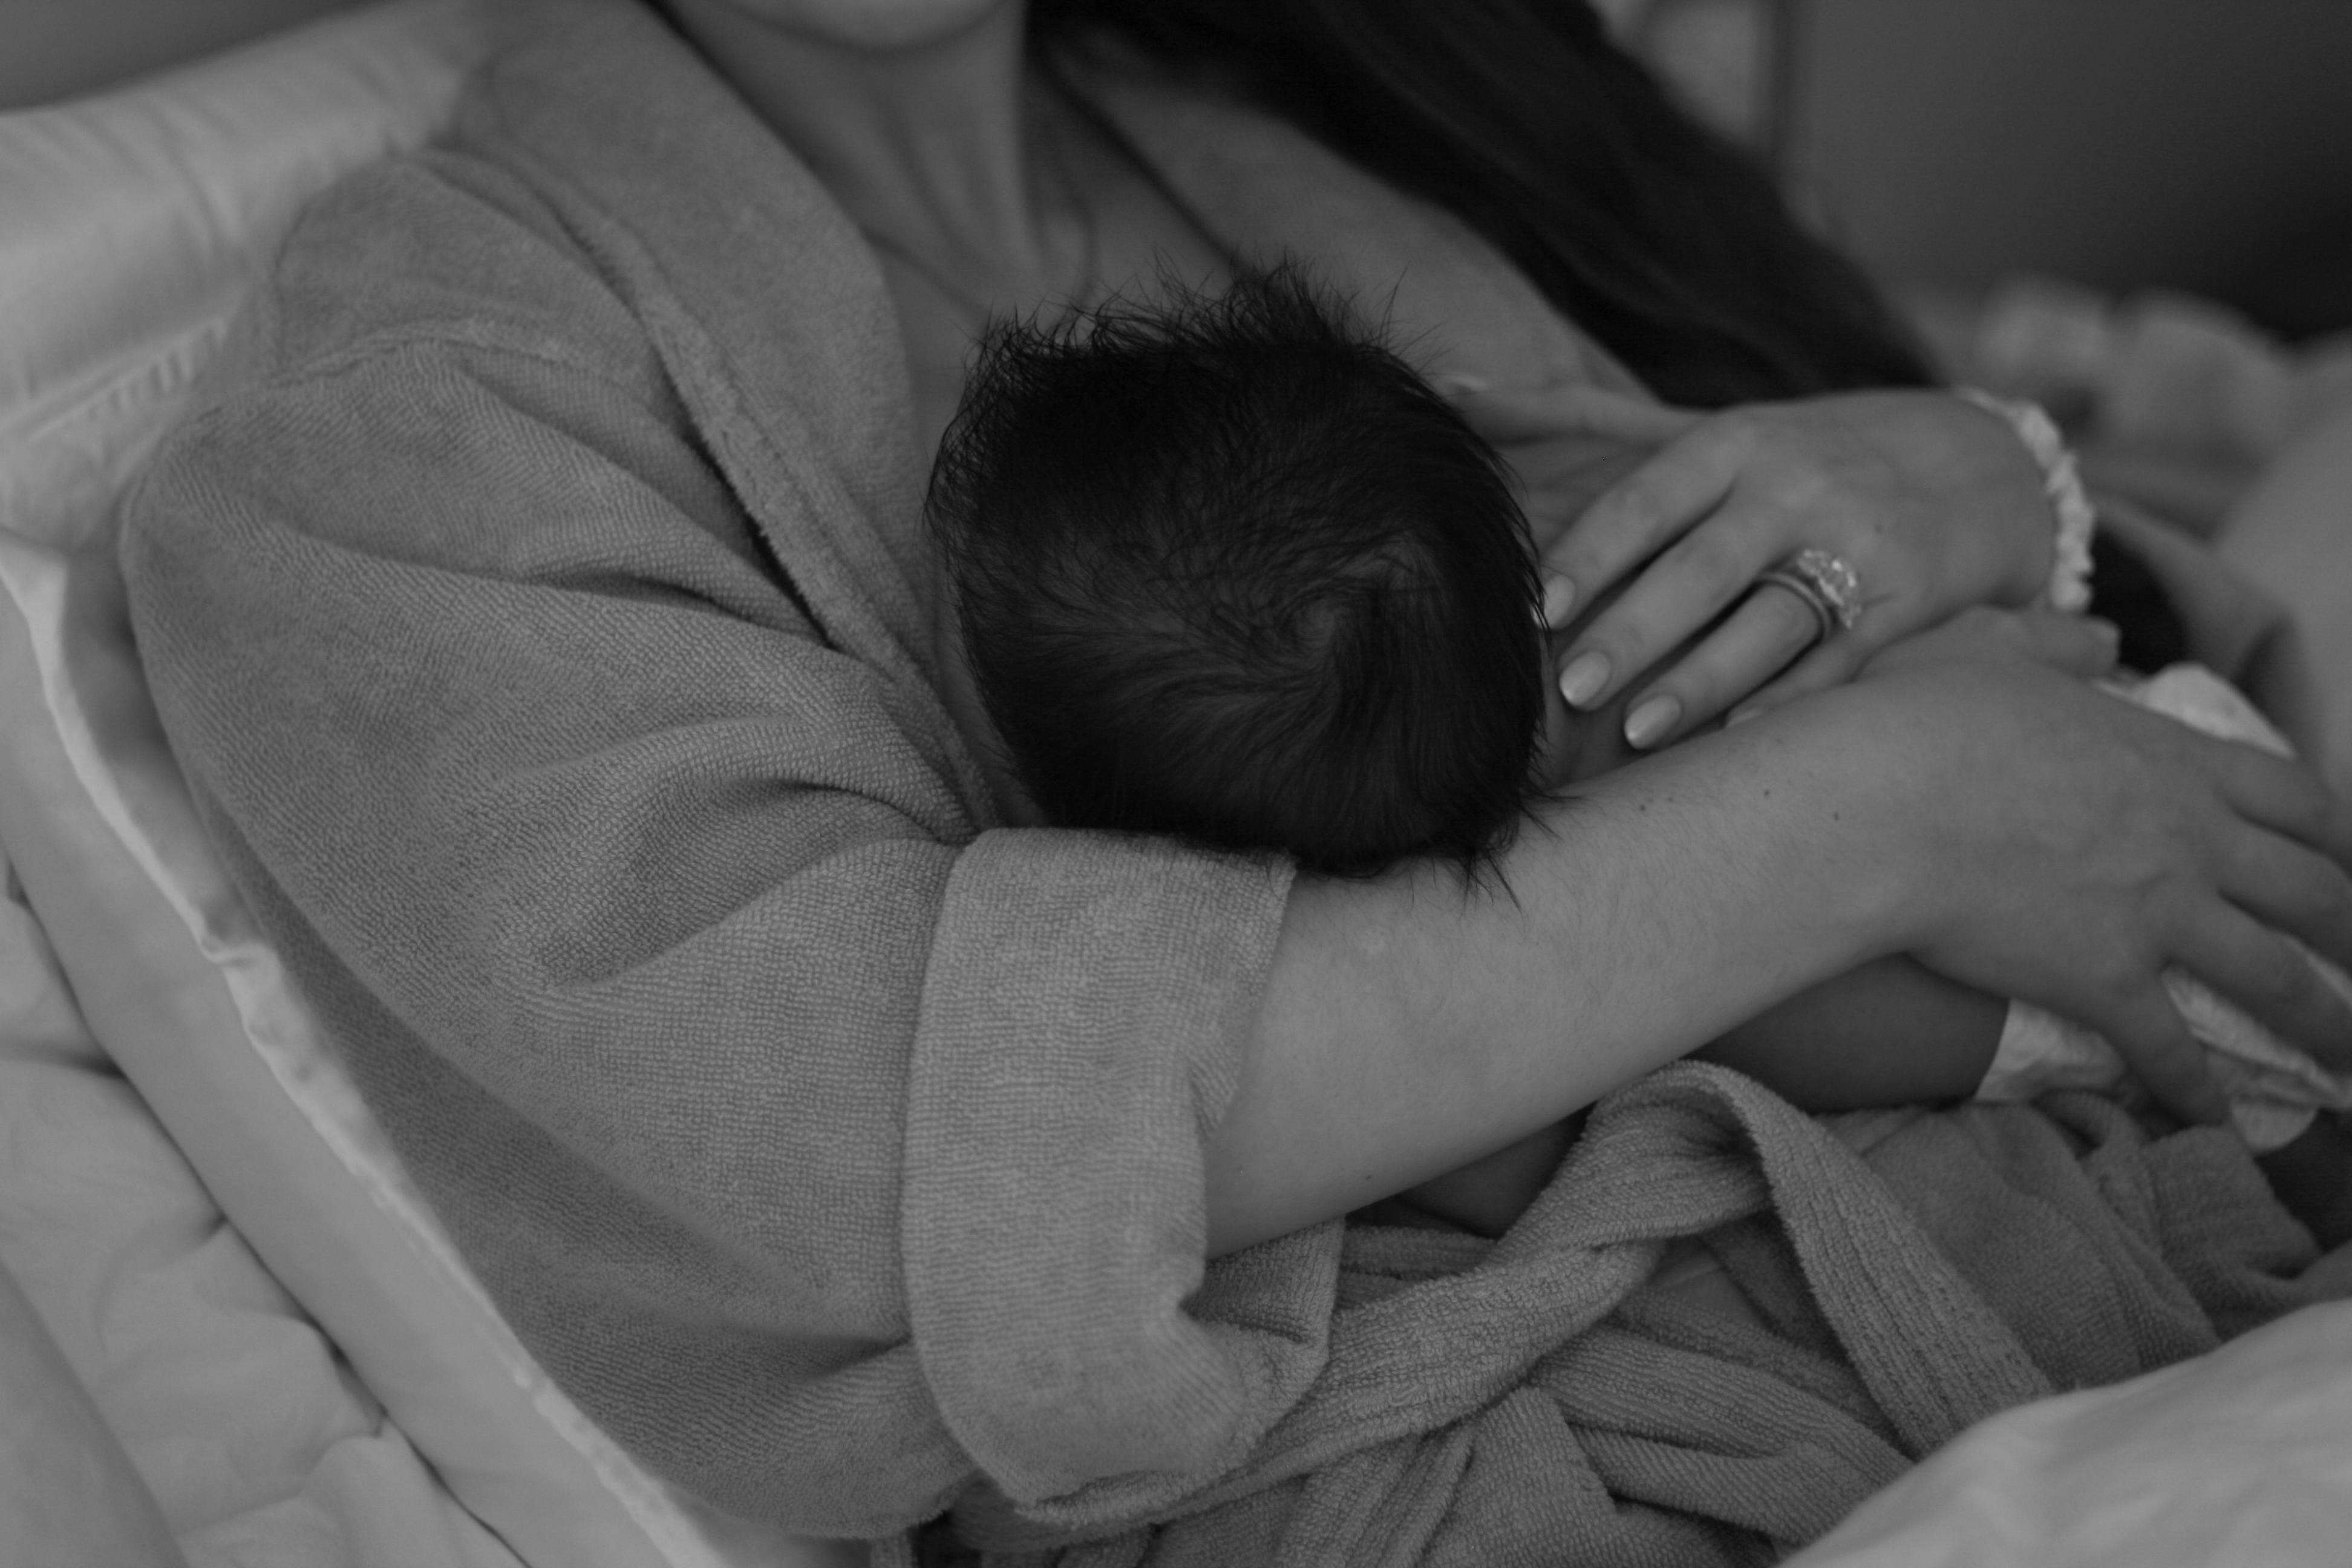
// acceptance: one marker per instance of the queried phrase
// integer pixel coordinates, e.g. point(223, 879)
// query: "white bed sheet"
point(260, 1447)
point(2242, 1458)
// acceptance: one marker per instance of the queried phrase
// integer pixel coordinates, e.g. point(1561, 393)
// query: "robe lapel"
point(768, 312)
point(761, 297)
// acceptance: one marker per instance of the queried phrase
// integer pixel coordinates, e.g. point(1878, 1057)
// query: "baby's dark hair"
point(1230, 570)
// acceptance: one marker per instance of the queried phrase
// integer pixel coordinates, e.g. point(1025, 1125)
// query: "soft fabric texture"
point(257, 1445)
point(2232, 1458)
point(136, 222)
point(544, 629)
point(461, 633)
point(1532, 1400)
point(67, 1490)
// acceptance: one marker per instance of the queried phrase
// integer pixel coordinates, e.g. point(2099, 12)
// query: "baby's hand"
point(1575, 746)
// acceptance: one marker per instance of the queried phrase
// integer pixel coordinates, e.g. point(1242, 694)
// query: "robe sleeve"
point(830, 1145)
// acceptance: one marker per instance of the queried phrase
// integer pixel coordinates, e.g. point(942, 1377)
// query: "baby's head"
point(1231, 571)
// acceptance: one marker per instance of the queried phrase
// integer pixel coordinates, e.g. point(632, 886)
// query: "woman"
point(544, 627)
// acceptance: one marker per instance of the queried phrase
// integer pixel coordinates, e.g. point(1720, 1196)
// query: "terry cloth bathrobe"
point(542, 624)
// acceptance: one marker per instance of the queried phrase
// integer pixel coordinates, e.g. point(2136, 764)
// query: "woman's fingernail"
point(1583, 677)
point(1558, 598)
point(1741, 714)
point(1652, 717)
point(1460, 381)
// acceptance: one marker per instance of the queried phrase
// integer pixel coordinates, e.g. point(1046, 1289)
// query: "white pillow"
point(244, 1424)
point(133, 225)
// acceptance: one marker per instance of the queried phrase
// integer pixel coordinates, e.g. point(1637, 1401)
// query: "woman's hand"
point(1971, 801)
point(1934, 502)
point(2074, 847)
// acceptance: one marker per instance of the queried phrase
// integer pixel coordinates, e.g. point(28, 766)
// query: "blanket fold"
point(1537, 1399)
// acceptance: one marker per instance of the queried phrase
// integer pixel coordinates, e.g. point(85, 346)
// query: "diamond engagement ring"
point(1827, 584)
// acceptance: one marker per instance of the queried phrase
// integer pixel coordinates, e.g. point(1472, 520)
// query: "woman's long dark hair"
point(1525, 119)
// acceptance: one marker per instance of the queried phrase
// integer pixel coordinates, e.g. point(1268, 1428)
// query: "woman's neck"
point(927, 145)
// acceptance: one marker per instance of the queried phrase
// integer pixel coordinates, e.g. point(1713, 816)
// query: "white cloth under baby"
point(2273, 1089)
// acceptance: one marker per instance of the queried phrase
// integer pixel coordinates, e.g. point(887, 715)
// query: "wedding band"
point(1827, 584)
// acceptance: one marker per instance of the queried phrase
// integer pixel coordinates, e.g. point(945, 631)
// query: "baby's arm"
point(1889, 1033)
point(1825, 1049)
point(1833, 1048)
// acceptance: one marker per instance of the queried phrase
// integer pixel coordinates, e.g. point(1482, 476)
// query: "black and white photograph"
point(1175, 784)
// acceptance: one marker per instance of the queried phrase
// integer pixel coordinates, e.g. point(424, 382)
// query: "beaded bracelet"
point(2070, 570)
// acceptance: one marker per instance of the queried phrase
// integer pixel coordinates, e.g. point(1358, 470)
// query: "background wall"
point(2200, 144)
point(2203, 144)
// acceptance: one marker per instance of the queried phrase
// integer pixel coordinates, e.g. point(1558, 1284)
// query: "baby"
point(1233, 572)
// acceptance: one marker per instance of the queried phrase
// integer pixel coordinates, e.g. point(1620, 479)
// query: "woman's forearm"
point(1976, 805)
point(1410, 1028)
